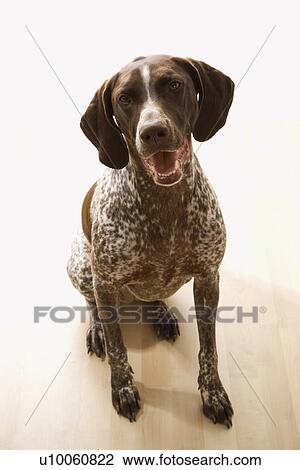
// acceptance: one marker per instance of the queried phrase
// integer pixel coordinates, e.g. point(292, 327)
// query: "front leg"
point(125, 396)
point(216, 404)
point(95, 337)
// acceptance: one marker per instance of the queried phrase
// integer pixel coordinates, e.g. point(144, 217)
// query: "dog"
point(152, 222)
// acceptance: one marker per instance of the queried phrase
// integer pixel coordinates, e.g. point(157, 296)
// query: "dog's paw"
point(217, 406)
point(166, 324)
point(95, 339)
point(126, 400)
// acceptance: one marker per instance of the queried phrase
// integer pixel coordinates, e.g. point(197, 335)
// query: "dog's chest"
point(162, 248)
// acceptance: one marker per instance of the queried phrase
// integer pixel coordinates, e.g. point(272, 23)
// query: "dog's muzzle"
point(166, 166)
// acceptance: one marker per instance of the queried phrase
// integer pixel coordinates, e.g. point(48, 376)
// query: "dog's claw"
point(217, 406)
point(126, 401)
point(95, 340)
point(166, 326)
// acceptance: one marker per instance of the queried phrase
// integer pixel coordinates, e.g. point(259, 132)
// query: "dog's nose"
point(157, 133)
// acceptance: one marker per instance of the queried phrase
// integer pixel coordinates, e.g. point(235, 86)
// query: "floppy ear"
point(100, 128)
point(215, 97)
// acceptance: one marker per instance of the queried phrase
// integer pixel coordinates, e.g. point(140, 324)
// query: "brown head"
point(150, 109)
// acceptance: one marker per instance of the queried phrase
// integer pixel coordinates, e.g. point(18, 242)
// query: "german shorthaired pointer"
point(152, 221)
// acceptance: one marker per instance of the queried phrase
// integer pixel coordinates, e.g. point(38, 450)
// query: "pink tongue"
point(164, 162)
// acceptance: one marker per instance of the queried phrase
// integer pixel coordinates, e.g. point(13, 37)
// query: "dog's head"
point(150, 109)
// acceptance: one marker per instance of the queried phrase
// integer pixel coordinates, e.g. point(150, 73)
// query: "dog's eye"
point(175, 84)
point(124, 99)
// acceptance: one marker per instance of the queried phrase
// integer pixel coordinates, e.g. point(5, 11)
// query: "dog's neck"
point(163, 201)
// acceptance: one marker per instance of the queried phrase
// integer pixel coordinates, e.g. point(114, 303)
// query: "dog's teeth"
point(165, 175)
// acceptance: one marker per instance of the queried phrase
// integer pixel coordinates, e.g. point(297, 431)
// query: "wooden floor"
point(255, 172)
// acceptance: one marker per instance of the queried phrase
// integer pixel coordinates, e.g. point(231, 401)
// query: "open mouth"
point(166, 166)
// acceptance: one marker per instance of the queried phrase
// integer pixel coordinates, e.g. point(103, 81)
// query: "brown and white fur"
point(152, 221)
